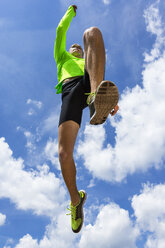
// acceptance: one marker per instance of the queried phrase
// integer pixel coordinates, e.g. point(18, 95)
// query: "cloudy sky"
point(120, 164)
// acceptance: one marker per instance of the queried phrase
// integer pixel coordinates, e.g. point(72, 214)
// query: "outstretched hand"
point(114, 111)
point(75, 8)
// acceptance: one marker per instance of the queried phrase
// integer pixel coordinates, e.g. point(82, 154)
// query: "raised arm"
point(61, 31)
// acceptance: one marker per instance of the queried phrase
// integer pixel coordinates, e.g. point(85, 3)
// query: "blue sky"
point(120, 164)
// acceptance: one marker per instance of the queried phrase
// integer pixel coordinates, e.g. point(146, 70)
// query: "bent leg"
point(106, 96)
point(67, 136)
point(94, 56)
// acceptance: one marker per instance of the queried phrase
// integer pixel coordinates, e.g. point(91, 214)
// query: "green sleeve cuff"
point(59, 88)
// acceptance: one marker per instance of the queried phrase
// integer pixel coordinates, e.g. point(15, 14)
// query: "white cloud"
point(106, 2)
point(150, 213)
point(27, 242)
point(2, 219)
point(110, 230)
point(51, 123)
point(37, 190)
point(31, 111)
point(9, 243)
point(111, 225)
point(36, 152)
point(154, 26)
point(97, 159)
point(140, 133)
point(35, 103)
point(30, 140)
point(110, 221)
point(149, 206)
point(91, 183)
point(30, 144)
point(27, 134)
point(58, 234)
point(51, 152)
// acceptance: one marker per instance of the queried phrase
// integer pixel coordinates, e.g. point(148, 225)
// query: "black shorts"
point(74, 99)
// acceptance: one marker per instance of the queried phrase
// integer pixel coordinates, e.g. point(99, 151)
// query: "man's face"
point(76, 50)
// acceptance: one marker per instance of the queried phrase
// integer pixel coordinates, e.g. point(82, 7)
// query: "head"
point(76, 50)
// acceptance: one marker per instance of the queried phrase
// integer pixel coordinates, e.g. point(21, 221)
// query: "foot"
point(102, 103)
point(77, 216)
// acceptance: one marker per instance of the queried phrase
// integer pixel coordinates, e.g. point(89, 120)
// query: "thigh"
point(67, 136)
point(72, 102)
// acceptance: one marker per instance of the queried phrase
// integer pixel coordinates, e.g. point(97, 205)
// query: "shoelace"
point(90, 96)
point(73, 212)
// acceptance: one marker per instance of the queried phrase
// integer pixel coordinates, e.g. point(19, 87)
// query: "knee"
point(64, 155)
point(92, 34)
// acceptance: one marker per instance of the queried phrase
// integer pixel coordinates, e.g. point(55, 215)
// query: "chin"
point(75, 54)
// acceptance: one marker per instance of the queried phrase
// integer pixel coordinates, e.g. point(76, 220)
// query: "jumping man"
point(81, 84)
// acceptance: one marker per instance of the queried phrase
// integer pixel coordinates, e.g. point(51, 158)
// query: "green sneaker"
point(77, 216)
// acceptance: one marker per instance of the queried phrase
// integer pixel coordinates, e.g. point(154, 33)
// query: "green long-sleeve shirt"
point(67, 65)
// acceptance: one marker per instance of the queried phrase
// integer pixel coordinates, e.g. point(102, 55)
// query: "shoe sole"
point(107, 97)
point(79, 229)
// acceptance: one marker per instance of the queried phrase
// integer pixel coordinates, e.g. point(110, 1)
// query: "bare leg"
point(94, 56)
point(106, 98)
point(67, 136)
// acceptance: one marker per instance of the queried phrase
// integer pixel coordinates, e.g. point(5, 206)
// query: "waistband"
point(70, 79)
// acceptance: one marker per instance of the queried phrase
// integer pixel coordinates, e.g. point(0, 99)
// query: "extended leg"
point(67, 136)
point(94, 56)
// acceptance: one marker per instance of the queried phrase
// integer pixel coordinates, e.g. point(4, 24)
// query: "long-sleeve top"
point(67, 65)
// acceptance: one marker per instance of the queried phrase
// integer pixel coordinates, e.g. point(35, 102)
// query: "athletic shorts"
point(74, 99)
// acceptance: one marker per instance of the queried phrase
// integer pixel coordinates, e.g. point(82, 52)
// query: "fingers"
point(114, 111)
point(75, 8)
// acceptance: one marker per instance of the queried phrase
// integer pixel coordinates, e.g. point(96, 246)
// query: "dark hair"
point(76, 45)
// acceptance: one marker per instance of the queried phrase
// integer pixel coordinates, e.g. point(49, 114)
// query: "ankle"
point(76, 200)
point(93, 89)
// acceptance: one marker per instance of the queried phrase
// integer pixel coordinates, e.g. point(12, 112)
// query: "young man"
point(81, 84)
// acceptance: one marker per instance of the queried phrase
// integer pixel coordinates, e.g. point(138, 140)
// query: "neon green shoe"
point(77, 216)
